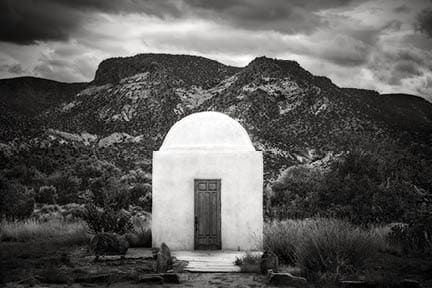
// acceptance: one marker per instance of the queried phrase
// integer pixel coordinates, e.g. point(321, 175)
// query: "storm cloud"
point(26, 21)
point(424, 22)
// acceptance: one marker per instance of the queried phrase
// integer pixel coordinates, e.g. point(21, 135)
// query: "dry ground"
point(60, 264)
point(57, 265)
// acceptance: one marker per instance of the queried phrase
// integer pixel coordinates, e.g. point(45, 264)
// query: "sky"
point(385, 45)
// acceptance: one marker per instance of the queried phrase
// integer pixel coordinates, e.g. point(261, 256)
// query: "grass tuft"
point(34, 230)
point(323, 248)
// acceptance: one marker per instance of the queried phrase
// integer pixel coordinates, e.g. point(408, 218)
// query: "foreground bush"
point(141, 235)
point(283, 237)
point(322, 247)
point(31, 230)
point(334, 248)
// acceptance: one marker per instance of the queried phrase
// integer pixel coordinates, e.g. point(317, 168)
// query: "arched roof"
point(207, 131)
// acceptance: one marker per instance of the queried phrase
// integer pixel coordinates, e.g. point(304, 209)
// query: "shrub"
point(416, 236)
point(282, 237)
point(16, 201)
point(248, 258)
point(67, 186)
point(335, 247)
point(31, 229)
point(141, 194)
point(107, 220)
point(47, 195)
point(322, 247)
point(249, 263)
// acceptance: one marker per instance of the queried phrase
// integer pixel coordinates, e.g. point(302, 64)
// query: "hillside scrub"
point(372, 182)
point(323, 247)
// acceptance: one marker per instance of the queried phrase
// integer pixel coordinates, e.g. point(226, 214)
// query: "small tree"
point(16, 201)
point(47, 195)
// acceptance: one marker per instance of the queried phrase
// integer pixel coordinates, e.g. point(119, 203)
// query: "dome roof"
point(207, 131)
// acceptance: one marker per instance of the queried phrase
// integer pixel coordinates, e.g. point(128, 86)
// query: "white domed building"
point(207, 186)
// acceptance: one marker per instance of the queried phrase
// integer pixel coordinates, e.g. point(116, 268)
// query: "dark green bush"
point(416, 236)
point(107, 220)
point(46, 195)
point(16, 201)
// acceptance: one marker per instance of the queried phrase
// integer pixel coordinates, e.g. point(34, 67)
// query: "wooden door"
point(208, 214)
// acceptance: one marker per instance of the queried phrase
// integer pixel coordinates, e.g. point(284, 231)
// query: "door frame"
point(218, 211)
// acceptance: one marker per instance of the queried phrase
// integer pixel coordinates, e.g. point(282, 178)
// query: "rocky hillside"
point(24, 99)
point(125, 112)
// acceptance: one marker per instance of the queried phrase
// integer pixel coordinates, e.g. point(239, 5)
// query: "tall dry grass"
point(34, 230)
point(323, 247)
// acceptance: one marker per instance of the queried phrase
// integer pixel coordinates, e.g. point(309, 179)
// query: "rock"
point(151, 278)
point(170, 278)
point(269, 260)
point(132, 239)
point(287, 279)
point(108, 244)
point(163, 260)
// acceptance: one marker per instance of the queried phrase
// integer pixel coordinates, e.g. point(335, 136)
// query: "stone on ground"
point(269, 261)
point(163, 260)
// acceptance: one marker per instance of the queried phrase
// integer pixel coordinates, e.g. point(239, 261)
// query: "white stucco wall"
point(241, 174)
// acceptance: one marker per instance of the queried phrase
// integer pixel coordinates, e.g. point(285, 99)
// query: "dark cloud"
point(402, 9)
point(24, 22)
point(296, 16)
point(424, 22)
point(27, 21)
point(392, 67)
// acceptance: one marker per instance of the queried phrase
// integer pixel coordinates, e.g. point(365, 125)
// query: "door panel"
point(207, 214)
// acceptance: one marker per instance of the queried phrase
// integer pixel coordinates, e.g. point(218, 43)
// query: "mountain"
point(400, 110)
point(24, 99)
point(125, 112)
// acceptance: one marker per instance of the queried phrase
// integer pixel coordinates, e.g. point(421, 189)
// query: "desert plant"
point(322, 247)
point(335, 247)
point(46, 195)
point(107, 220)
point(247, 258)
point(16, 201)
point(414, 237)
point(282, 238)
point(249, 262)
